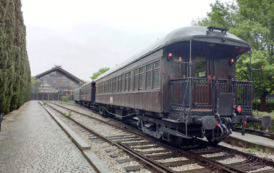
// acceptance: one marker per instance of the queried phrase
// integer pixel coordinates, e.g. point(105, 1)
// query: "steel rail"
point(147, 163)
point(206, 162)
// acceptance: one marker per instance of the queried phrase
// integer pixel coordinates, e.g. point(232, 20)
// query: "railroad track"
point(157, 156)
point(238, 129)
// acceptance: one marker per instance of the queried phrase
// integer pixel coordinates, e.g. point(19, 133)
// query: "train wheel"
point(176, 141)
point(212, 143)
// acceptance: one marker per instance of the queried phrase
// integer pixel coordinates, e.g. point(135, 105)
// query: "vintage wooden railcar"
point(183, 86)
point(87, 93)
point(77, 95)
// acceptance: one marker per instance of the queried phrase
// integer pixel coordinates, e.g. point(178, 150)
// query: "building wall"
point(56, 76)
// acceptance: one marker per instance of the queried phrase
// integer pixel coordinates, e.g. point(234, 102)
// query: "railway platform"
point(251, 141)
point(31, 141)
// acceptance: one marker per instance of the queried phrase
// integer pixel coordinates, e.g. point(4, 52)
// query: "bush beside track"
point(269, 105)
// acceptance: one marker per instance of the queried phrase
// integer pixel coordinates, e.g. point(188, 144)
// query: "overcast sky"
point(86, 35)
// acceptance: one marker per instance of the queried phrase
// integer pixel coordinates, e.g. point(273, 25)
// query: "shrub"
point(65, 98)
point(269, 105)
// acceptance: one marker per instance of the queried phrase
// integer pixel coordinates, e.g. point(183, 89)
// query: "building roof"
point(181, 34)
point(59, 68)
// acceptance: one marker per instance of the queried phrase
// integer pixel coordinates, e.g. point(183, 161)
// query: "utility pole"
point(70, 89)
point(62, 86)
point(44, 90)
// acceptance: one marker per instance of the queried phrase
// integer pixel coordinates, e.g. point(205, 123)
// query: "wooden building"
point(55, 83)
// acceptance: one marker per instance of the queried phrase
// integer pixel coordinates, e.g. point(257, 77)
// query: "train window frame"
point(136, 79)
point(149, 71)
point(117, 84)
point(110, 84)
point(156, 67)
point(197, 72)
point(127, 76)
point(123, 82)
point(113, 85)
point(141, 78)
point(131, 82)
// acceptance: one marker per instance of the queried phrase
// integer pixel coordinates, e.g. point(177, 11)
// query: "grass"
point(260, 114)
point(45, 103)
point(252, 150)
point(68, 115)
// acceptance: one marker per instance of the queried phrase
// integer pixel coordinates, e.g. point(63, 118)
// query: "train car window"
point(131, 81)
point(113, 85)
point(109, 86)
point(123, 83)
point(156, 74)
point(136, 79)
point(127, 75)
point(117, 84)
point(148, 76)
point(141, 76)
point(201, 67)
point(120, 84)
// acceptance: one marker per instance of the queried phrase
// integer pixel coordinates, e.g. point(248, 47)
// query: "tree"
point(252, 21)
point(101, 71)
point(15, 82)
point(35, 84)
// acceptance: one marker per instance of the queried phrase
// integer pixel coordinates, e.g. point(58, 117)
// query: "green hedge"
point(258, 125)
point(269, 105)
point(15, 80)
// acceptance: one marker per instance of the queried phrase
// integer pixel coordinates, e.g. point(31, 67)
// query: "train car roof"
point(178, 35)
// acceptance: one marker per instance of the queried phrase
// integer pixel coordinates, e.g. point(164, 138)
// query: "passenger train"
point(182, 87)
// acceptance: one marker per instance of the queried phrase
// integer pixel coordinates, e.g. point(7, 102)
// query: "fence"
point(48, 96)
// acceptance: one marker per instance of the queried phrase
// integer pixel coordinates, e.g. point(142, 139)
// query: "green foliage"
point(269, 106)
point(257, 126)
point(65, 98)
point(252, 21)
point(45, 103)
point(101, 71)
point(35, 84)
point(15, 81)
point(252, 150)
point(68, 115)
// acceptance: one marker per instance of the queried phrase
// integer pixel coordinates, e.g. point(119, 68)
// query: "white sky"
point(86, 35)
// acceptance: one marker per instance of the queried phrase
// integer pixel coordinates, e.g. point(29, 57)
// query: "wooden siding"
point(145, 99)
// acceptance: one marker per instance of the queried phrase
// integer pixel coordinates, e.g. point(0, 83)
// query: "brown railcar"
point(87, 93)
point(183, 86)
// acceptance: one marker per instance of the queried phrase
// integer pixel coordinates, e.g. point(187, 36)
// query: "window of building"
point(149, 76)
point(136, 74)
point(141, 77)
point(156, 74)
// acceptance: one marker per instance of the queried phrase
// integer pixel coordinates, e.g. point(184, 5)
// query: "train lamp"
point(238, 108)
point(169, 56)
point(232, 61)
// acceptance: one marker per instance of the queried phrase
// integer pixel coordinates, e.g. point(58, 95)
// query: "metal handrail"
point(194, 86)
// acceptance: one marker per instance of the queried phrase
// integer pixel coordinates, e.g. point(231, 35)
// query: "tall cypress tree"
point(15, 85)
